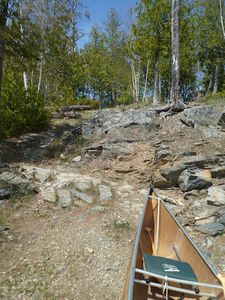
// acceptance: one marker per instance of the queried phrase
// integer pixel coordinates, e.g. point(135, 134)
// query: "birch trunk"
point(3, 19)
point(25, 78)
point(221, 18)
point(216, 80)
point(178, 105)
point(156, 82)
point(136, 79)
point(40, 75)
point(146, 83)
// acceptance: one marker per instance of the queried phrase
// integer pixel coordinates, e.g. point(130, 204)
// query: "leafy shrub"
point(21, 111)
point(125, 98)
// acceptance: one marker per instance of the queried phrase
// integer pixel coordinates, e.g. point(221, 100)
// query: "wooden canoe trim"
point(148, 229)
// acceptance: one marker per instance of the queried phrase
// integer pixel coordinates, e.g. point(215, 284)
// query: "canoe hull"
point(159, 233)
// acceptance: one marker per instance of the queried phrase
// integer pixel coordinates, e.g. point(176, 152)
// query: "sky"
point(99, 9)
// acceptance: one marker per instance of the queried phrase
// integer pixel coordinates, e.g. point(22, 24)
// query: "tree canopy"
point(40, 51)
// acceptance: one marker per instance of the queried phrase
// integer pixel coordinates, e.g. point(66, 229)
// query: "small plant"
point(121, 224)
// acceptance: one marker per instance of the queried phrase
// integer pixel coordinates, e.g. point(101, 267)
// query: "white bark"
point(175, 29)
point(146, 82)
point(216, 80)
point(25, 78)
point(221, 18)
point(136, 78)
point(40, 75)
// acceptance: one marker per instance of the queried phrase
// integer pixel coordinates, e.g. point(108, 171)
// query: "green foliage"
point(125, 98)
point(20, 110)
point(94, 104)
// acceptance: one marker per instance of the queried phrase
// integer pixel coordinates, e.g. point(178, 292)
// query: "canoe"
point(166, 264)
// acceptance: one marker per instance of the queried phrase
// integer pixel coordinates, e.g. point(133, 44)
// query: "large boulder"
point(160, 182)
point(194, 179)
point(203, 115)
point(14, 184)
point(172, 173)
point(37, 173)
point(49, 194)
point(106, 120)
point(64, 197)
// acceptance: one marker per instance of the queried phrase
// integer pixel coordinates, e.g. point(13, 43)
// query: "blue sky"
point(99, 9)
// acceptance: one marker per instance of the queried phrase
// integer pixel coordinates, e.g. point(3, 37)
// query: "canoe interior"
point(169, 235)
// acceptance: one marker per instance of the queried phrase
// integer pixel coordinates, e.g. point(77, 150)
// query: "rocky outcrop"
point(172, 171)
point(75, 189)
point(203, 115)
point(35, 147)
point(107, 120)
point(107, 150)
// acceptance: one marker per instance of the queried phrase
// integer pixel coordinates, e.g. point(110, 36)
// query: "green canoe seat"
point(169, 267)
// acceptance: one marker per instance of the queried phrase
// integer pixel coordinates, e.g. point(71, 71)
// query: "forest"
point(43, 68)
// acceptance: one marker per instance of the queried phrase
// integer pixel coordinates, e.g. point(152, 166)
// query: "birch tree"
point(221, 17)
point(178, 105)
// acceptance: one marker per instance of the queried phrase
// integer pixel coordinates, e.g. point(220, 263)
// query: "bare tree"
point(3, 18)
point(175, 96)
point(221, 18)
point(136, 71)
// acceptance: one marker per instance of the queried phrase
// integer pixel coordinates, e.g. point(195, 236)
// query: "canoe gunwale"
point(133, 266)
point(136, 246)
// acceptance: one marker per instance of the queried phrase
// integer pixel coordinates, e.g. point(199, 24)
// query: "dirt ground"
point(78, 253)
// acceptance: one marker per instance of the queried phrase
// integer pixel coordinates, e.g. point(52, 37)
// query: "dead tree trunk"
point(178, 105)
point(216, 80)
point(156, 81)
point(3, 19)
